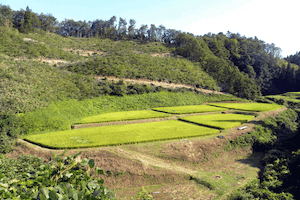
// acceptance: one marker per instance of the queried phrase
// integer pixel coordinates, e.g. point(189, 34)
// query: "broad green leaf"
point(84, 162)
point(68, 175)
point(98, 171)
point(45, 191)
point(91, 163)
point(53, 195)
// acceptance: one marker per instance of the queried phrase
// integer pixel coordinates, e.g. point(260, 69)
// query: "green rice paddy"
point(119, 134)
point(123, 116)
point(259, 107)
point(189, 109)
point(220, 121)
point(192, 126)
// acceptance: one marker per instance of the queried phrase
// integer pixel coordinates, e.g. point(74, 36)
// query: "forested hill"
point(242, 66)
point(245, 67)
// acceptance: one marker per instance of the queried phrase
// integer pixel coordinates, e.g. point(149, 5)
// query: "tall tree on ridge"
point(131, 29)
point(27, 27)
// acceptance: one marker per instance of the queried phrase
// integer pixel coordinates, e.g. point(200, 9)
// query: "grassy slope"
point(132, 65)
point(127, 59)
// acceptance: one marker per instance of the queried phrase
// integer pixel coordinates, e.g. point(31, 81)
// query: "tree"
point(18, 19)
point(6, 16)
point(122, 28)
point(142, 32)
point(131, 29)
point(27, 27)
point(48, 22)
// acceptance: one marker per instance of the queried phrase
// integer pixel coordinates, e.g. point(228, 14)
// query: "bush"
point(28, 177)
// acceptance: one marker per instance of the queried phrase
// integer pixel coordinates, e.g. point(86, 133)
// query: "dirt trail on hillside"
point(51, 61)
point(148, 160)
point(158, 83)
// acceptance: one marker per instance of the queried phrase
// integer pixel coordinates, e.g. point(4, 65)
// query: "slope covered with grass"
point(132, 65)
point(15, 44)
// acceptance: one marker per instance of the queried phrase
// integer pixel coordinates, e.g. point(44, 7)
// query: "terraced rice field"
point(191, 126)
point(119, 134)
point(259, 107)
point(219, 121)
point(123, 116)
point(189, 109)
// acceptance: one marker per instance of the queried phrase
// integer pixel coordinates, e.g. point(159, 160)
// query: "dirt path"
point(158, 83)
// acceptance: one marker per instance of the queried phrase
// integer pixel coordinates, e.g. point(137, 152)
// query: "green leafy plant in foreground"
point(28, 177)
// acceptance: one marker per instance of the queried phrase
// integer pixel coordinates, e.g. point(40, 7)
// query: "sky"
point(273, 21)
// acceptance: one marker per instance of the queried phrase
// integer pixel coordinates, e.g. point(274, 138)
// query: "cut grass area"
point(189, 109)
point(259, 107)
point(219, 121)
point(120, 134)
point(123, 116)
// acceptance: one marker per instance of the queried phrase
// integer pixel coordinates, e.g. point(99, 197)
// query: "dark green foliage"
point(9, 130)
point(61, 178)
point(215, 61)
point(294, 58)
point(278, 139)
point(254, 191)
point(27, 26)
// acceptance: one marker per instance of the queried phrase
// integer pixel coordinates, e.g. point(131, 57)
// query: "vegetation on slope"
point(277, 138)
point(12, 43)
point(132, 65)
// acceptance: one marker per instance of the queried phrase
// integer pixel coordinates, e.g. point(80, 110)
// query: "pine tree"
point(27, 25)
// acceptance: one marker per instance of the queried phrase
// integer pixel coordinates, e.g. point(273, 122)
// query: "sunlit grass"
point(189, 109)
point(220, 121)
point(122, 116)
point(120, 134)
point(260, 107)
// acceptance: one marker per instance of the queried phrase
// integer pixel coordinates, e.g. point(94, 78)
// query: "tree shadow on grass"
point(252, 160)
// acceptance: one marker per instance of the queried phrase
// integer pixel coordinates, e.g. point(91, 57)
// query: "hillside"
point(50, 81)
